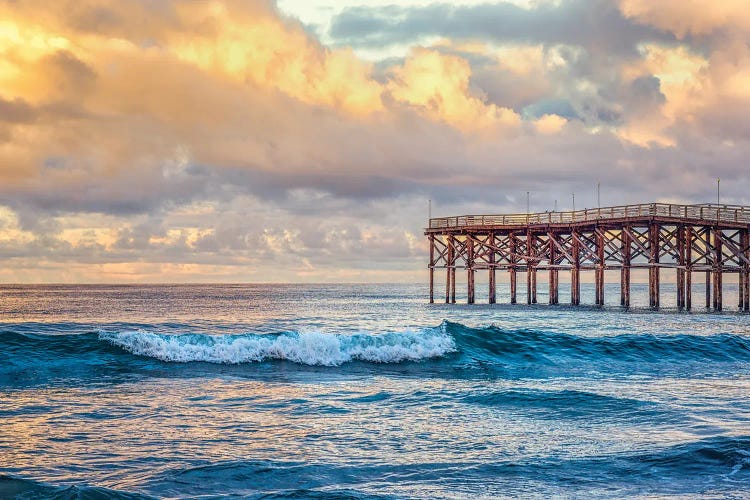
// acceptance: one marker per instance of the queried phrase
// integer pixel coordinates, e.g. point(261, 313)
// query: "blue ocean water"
point(364, 391)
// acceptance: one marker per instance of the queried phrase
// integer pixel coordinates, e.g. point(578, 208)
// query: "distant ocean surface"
point(365, 391)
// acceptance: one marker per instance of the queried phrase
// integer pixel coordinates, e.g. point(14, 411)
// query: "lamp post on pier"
point(718, 191)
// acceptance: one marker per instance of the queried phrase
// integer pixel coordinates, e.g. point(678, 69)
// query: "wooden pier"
point(709, 239)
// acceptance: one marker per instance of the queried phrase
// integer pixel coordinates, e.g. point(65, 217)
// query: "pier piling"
point(625, 268)
point(745, 253)
point(688, 268)
point(470, 270)
point(599, 268)
point(432, 269)
point(717, 271)
point(491, 271)
point(512, 268)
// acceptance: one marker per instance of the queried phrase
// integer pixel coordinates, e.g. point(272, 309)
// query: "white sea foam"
point(309, 348)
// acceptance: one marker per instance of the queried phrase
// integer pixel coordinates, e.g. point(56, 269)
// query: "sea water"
point(365, 391)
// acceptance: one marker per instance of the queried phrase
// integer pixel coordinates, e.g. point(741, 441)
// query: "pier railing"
point(707, 212)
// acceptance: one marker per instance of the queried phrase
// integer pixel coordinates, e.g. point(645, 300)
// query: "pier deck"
point(707, 238)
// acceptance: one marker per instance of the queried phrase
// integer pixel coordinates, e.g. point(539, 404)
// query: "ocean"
point(365, 391)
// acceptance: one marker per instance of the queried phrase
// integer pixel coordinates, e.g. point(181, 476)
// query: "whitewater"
point(305, 348)
point(364, 391)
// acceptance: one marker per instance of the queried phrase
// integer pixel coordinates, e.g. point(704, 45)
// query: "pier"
point(707, 239)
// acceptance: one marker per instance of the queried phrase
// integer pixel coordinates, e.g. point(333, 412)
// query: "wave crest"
point(527, 346)
point(309, 348)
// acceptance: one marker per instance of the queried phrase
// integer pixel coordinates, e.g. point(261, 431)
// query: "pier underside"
point(708, 239)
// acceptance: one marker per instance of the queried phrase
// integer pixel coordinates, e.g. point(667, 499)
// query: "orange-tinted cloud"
point(439, 84)
point(149, 140)
point(686, 17)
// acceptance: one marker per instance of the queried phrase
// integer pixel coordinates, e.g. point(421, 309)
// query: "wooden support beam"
point(450, 269)
point(681, 269)
point(533, 285)
point(560, 248)
point(575, 285)
point(651, 301)
point(611, 251)
point(625, 247)
point(575, 273)
point(733, 248)
point(653, 271)
point(453, 271)
point(453, 285)
point(491, 269)
point(657, 286)
point(634, 238)
point(512, 268)
point(746, 248)
point(708, 289)
point(529, 264)
point(528, 285)
point(470, 271)
point(577, 236)
point(718, 264)
point(688, 268)
point(552, 271)
point(600, 269)
point(742, 274)
point(740, 289)
point(432, 269)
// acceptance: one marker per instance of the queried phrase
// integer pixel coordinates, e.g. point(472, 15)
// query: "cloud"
point(439, 84)
point(16, 111)
point(689, 17)
point(550, 124)
point(180, 140)
point(598, 25)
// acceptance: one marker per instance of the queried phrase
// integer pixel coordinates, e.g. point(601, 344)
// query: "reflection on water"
point(549, 401)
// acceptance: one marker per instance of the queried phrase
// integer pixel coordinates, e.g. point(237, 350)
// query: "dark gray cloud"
point(644, 94)
point(589, 40)
point(596, 24)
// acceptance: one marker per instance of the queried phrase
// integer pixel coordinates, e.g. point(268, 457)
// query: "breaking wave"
point(311, 348)
point(450, 349)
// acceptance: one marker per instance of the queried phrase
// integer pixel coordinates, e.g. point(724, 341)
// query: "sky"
point(300, 140)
